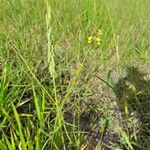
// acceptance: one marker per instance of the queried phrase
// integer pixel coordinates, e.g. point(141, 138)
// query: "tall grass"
point(48, 83)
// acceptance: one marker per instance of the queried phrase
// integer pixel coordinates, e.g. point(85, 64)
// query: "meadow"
point(74, 75)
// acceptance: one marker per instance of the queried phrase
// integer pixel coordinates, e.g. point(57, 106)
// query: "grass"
point(60, 91)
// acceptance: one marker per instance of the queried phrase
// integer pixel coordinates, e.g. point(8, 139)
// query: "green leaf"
point(23, 143)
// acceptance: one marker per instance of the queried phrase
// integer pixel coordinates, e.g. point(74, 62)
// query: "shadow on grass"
point(133, 98)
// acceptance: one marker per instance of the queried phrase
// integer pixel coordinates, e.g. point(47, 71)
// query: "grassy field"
point(74, 75)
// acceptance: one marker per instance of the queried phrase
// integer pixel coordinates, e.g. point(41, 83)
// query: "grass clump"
point(74, 75)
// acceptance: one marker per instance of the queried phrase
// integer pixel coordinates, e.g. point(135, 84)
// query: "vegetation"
point(74, 75)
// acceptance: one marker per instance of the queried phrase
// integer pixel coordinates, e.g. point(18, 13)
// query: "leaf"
point(23, 144)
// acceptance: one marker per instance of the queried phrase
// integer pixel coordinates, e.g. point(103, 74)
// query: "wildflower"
point(98, 39)
point(95, 38)
point(90, 39)
point(98, 43)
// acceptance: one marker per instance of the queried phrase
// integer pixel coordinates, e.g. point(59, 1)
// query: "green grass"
point(56, 88)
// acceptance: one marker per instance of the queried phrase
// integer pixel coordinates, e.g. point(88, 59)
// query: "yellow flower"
point(95, 39)
point(98, 39)
point(89, 42)
point(98, 43)
point(90, 39)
